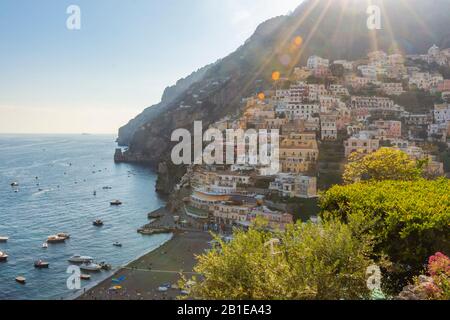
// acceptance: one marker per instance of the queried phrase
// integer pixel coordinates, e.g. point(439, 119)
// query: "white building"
point(291, 185)
point(441, 113)
point(328, 126)
point(316, 62)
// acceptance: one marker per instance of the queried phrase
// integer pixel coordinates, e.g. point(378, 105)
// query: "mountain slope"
point(334, 29)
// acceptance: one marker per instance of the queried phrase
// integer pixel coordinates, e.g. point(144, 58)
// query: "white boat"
point(4, 239)
point(90, 266)
point(3, 256)
point(80, 259)
point(45, 245)
point(55, 239)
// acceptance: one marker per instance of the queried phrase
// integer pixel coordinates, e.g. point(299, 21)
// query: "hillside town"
point(326, 106)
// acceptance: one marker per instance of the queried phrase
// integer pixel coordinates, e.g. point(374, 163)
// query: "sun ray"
point(284, 41)
point(314, 29)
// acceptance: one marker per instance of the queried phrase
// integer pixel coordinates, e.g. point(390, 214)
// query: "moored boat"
point(98, 223)
point(80, 259)
point(63, 235)
point(90, 266)
point(85, 277)
point(55, 239)
point(105, 266)
point(116, 203)
point(14, 184)
point(45, 245)
point(41, 264)
point(3, 256)
point(21, 280)
point(117, 244)
point(4, 239)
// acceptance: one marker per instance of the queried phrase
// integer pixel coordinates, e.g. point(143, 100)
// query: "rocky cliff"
point(332, 29)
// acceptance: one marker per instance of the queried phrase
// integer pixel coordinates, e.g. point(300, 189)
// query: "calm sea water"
point(69, 169)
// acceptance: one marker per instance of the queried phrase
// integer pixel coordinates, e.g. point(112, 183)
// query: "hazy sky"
point(54, 80)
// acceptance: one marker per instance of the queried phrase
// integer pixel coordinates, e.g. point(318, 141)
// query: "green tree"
point(308, 261)
point(409, 220)
point(384, 164)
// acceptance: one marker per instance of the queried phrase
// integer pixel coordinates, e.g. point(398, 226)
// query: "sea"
point(57, 176)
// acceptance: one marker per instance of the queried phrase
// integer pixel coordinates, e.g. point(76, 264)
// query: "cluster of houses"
point(308, 113)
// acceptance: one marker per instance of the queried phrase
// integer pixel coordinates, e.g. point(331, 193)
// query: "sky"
point(95, 79)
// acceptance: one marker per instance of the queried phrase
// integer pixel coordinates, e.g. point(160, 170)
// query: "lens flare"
point(276, 76)
point(298, 41)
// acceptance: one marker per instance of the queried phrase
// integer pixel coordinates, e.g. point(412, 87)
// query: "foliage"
point(337, 70)
point(435, 286)
point(409, 220)
point(309, 261)
point(384, 164)
point(416, 101)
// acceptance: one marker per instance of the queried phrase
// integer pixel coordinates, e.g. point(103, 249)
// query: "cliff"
point(332, 29)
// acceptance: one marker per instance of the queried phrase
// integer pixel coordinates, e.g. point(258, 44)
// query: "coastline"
point(109, 274)
point(141, 278)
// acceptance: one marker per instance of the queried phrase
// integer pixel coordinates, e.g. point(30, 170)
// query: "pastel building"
point(362, 142)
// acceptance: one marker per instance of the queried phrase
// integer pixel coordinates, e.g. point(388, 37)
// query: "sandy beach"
point(140, 279)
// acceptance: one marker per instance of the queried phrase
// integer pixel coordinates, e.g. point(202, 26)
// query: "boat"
point(116, 203)
point(85, 277)
point(41, 264)
point(45, 245)
point(4, 239)
point(21, 280)
point(117, 244)
point(105, 266)
point(80, 259)
point(3, 256)
point(63, 235)
point(98, 223)
point(90, 266)
point(55, 239)
point(14, 184)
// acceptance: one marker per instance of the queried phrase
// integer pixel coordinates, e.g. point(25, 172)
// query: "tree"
point(409, 220)
point(337, 70)
point(384, 164)
point(307, 261)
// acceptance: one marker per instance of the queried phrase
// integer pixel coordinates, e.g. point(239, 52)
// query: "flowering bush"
point(436, 286)
point(439, 271)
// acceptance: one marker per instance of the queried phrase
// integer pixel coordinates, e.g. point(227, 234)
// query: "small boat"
point(80, 259)
point(90, 266)
point(107, 188)
point(105, 266)
point(44, 245)
point(95, 193)
point(41, 264)
point(116, 203)
point(3, 256)
point(14, 184)
point(85, 277)
point(4, 239)
point(117, 244)
point(21, 280)
point(63, 235)
point(98, 223)
point(55, 239)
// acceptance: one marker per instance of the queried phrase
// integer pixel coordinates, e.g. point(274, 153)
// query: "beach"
point(140, 279)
